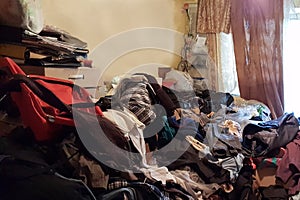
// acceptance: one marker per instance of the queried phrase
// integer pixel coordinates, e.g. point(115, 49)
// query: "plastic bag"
point(25, 14)
point(199, 46)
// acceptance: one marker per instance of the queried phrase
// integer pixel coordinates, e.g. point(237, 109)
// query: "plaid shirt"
point(132, 93)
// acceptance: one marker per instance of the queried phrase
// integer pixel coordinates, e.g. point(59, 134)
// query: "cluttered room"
point(149, 99)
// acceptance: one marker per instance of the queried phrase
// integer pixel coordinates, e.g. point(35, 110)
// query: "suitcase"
point(45, 103)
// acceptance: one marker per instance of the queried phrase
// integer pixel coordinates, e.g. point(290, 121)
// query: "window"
point(291, 60)
point(227, 73)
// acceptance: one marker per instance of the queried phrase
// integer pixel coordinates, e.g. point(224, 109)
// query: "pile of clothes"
point(163, 143)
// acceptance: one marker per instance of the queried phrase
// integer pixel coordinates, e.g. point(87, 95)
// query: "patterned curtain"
point(257, 35)
point(213, 16)
point(212, 19)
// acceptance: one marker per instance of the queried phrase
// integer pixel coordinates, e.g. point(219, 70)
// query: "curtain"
point(213, 18)
point(212, 61)
point(257, 35)
point(227, 75)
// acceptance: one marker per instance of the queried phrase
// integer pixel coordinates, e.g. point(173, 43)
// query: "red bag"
point(45, 103)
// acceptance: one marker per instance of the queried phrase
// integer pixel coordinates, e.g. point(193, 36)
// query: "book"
point(12, 50)
point(18, 51)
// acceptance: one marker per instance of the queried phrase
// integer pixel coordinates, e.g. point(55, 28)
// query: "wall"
point(102, 23)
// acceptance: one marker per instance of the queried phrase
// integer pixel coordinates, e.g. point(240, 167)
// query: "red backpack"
point(45, 103)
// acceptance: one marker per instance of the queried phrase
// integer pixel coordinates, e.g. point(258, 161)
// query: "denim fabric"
point(186, 126)
point(260, 139)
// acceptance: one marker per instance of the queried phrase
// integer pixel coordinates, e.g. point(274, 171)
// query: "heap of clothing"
point(216, 135)
point(192, 144)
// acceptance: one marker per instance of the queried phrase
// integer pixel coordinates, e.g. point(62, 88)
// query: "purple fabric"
point(289, 168)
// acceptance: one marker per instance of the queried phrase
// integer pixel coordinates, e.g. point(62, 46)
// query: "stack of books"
point(51, 47)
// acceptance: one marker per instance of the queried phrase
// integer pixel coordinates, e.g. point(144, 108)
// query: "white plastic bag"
point(25, 14)
point(183, 81)
point(199, 46)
